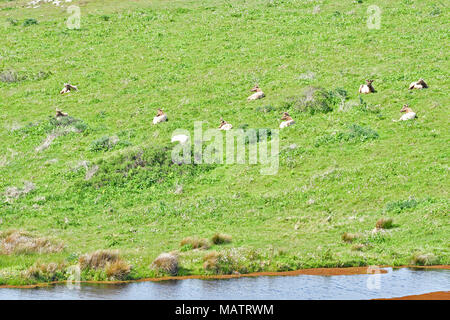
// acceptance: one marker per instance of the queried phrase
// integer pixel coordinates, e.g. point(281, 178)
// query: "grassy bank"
point(104, 180)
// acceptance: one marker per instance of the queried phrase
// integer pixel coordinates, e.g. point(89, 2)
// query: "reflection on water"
point(395, 283)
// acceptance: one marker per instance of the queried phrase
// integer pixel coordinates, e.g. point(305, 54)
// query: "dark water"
point(395, 283)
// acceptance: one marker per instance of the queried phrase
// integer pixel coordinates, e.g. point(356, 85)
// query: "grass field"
point(339, 171)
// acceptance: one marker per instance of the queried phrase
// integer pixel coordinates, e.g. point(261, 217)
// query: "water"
point(395, 283)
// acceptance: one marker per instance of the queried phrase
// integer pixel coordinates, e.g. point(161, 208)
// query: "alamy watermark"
point(250, 146)
point(74, 20)
point(74, 277)
point(374, 18)
point(374, 279)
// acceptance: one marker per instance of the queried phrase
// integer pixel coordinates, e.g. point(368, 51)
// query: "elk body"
point(288, 121)
point(409, 114)
point(258, 94)
point(59, 113)
point(421, 84)
point(367, 88)
point(225, 125)
point(160, 117)
point(67, 88)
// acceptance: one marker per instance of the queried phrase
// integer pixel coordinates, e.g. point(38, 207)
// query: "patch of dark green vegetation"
point(316, 100)
point(11, 76)
point(369, 108)
point(356, 133)
point(142, 169)
point(68, 121)
point(266, 109)
point(12, 21)
point(400, 205)
point(107, 143)
point(29, 22)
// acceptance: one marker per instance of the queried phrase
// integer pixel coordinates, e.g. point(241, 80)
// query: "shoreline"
point(437, 295)
point(311, 271)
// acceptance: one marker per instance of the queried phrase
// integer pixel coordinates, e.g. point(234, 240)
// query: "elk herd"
point(287, 120)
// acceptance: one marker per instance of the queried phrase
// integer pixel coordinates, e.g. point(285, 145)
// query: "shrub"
point(118, 269)
point(166, 263)
point(234, 261)
point(107, 143)
point(265, 109)
point(66, 122)
point(220, 238)
point(210, 261)
point(13, 76)
point(257, 135)
point(349, 237)
point(398, 206)
point(98, 259)
point(358, 247)
point(12, 22)
point(29, 22)
point(361, 133)
point(18, 242)
point(9, 76)
point(424, 259)
point(100, 144)
point(384, 223)
point(316, 100)
point(45, 272)
point(195, 243)
point(356, 133)
point(108, 261)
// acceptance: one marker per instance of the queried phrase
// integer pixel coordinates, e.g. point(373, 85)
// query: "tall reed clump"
point(45, 272)
point(220, 238)
point(20, 242)
point(166, 263)
point(384, 223)
point(195, 243)
point(424, 259)
point(350, 237)
point(108, 261)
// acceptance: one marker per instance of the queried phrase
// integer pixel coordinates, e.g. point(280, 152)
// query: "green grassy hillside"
point(339, 171)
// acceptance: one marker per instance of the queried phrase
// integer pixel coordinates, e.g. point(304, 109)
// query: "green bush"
point(29, 22)
point(399, 206)
point(356, 133)
point(316, 100)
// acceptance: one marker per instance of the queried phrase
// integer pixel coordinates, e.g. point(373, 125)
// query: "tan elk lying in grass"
point(367, 88)
point(225, 125)
point(67, 88)
point(409, 114)
point(421, 84)
point(258, 94)
point(288, 121)
point(160, 117)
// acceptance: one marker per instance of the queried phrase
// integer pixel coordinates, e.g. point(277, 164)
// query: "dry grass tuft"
point(19, 242)
point(424, 259)
point(220, 238)
point(98, 259)
point(384, 223)
point(166, 263)
point(109, 261)
point(358, 247)
point(195, 243)
point(211, 261)
point(12, 193)
point(118, 270)
point(349, 237)
point(45, 272)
